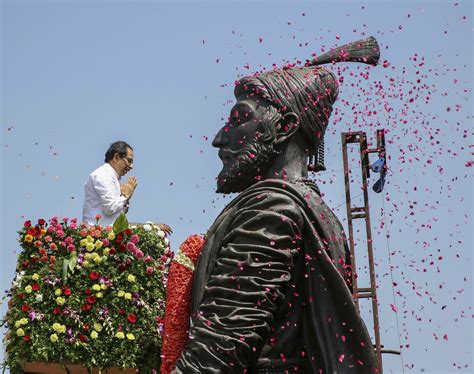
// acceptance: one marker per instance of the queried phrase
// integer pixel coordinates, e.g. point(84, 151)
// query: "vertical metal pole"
point(365, 166)
point(349, 217)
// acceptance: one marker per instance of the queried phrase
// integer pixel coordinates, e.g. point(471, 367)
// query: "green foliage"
point(88, 295)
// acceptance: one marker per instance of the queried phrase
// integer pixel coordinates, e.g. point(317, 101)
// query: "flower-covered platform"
point(87, 296)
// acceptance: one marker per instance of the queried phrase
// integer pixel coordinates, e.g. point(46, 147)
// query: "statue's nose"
point(221, 139)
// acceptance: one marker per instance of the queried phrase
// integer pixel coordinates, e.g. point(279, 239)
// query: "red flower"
point(119, 238)
point(25, 264)
point(41, 222)
point(86, 307)
point(122, 268)
point(83, 338)
point(35, 286)
point(31, 231)
point(86, 327)
point(27, 223)
point(128, 232)
point(93, 275)
point(122, 247)
point(26, 338)
point(121, 312)
point(88, 292)
point(91, 299)
point(57, 310)
point(132, 318)
point(21, 296)
point(112, 251)
point(25, 308)
point(67, 292)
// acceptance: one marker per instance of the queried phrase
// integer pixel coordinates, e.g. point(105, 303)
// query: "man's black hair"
point(119, 147)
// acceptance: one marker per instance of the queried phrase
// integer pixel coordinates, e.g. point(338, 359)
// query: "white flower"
point(166, 241)
point(39, 297)
point(161, 234)
point(147, 227)
point(133, 227)
point(149, 222)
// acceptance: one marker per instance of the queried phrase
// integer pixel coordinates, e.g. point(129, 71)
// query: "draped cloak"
point(270, 291)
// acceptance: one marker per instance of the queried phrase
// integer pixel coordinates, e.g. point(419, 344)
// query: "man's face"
point(244, 145)
point(124, 164)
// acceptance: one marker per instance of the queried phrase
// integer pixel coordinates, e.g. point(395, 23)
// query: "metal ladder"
point(363, 212)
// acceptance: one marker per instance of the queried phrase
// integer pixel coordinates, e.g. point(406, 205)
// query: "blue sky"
point(77, 75)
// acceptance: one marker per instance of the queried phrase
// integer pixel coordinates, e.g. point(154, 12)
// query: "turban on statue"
point(309, 92)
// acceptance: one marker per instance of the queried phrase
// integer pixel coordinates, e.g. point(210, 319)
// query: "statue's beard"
point(248, 167)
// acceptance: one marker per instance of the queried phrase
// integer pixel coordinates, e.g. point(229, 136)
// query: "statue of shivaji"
point(271, 290)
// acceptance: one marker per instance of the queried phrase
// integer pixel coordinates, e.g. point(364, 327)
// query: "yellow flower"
point(83, 242)
point(120, 335)
point(58, 292)
point(120, 293)
point(59, 328)
point(128, 296)
point(43, 231)
point(90, 246)
point(85, 264)
point(60, 300)
point(130, 336)
point(111, 235)
point(24, 321)
point(106, 251)
point(94, 335)
point(131, 278)
point(53, 338)
point(99, 295)
point(17, 324)
point(28, 238)
point(28, 289)
point(97, 327)
point(88, 256)
point(89, 239)
point(35, 277)
point(98, 259)
point(96, 287)
point(20, 332)
point(103, 286)
point(98, 244)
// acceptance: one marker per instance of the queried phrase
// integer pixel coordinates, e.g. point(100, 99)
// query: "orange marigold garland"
point(178, 301)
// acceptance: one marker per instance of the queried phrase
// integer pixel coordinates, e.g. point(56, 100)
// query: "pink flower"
point(131, 246)
point(73, 226)
point(150, 270)
point(98, 217)
point(74, 220)
point(65, 219)
point(68, 240)
point(109, 228)
point(60, 233)
point(105, 242)
point(71, 247)
point(138, 253)
point(135, 239)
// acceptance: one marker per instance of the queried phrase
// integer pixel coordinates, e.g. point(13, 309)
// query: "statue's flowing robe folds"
point(271, 292)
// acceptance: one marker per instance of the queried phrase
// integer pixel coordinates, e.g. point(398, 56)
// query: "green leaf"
point(121, 223)
point(65, 268)
point(72, 263)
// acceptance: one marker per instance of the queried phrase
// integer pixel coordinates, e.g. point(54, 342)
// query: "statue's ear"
point(287, 127)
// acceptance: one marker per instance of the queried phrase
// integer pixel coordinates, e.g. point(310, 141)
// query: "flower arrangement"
point(88, 294)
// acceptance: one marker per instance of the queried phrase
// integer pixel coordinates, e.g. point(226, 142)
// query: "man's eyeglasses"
point(128, 159)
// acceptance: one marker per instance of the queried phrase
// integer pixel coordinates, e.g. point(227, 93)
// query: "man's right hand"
point(128, 188)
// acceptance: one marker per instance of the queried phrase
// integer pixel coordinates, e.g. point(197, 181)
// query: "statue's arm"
point(251, 273)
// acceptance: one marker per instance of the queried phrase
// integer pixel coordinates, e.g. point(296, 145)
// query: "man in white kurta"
point(104, 196)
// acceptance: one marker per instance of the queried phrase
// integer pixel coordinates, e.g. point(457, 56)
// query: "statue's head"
point(273, 109)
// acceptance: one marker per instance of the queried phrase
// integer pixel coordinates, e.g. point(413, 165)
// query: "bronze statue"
point(271, 291)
